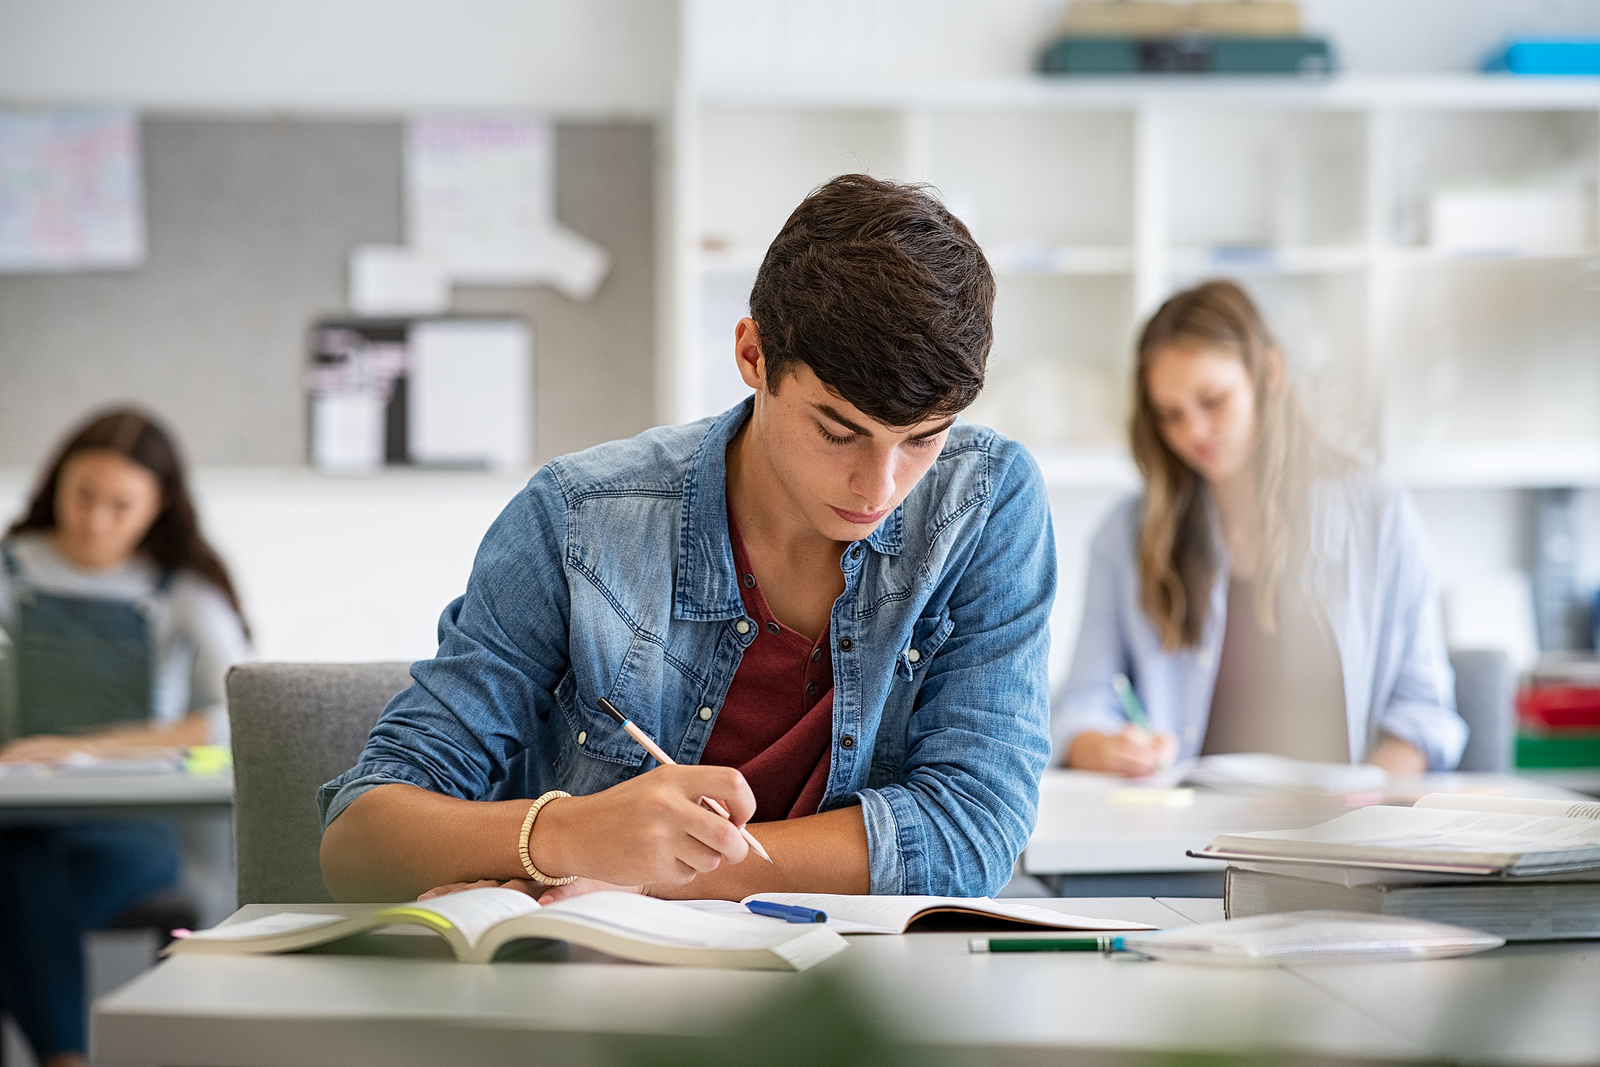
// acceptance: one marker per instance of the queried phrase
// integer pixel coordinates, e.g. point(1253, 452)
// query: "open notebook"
point(476, 922)
point(898, 915)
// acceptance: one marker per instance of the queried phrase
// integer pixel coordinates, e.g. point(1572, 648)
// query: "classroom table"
point(1106, 831)
point(32, 798)
point(1524, 1004)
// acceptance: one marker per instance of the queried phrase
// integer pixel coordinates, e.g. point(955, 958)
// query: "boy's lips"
point(860, 518)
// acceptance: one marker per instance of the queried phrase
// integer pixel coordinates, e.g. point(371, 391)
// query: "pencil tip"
point(610, 709)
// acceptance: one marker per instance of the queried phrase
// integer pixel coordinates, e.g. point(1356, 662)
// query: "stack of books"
point(1527, 870)
point(1558, 713)
point(1204, 37)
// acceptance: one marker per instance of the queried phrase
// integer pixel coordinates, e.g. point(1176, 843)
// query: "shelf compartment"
point(1268, 259)
point(1033, 178)
point(1264, 177)
point(1058, 374)
point(757, 164)
point(1480, 354)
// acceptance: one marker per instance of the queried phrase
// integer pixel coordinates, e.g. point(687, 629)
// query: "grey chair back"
point(1484, 700)
point(295, 726)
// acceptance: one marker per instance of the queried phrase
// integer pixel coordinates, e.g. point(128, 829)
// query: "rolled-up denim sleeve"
point(1421, 706)
point(502, 650)
point(978, 740)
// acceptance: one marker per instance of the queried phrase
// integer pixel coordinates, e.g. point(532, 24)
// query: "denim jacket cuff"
point(885, 861)
point(338, 794)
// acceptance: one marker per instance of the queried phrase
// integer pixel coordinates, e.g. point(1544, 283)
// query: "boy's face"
point(842, 471)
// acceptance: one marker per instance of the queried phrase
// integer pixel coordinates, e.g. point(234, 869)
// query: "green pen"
point(1130, 701)
point(1101, 943)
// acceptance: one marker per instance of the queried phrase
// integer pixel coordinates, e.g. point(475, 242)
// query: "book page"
point(284, 922)
point(851, 914)
point(674, 922)
point(1435, 831)
point(472, 912)
point(1562, 809)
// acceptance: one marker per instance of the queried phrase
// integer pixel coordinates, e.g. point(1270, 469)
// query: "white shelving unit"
point(1096, 198)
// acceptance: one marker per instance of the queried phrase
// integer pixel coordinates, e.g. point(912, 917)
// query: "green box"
point(1566, 748)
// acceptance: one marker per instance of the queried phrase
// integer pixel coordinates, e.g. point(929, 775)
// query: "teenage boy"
point(829, 606)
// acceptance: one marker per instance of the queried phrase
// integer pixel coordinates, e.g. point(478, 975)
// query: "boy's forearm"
point(397, 841)
point(824, 853)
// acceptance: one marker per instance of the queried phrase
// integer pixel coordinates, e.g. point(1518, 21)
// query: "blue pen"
point(787, 912)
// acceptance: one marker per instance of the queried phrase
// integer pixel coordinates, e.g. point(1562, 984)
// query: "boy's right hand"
point(651, 828)
point(1132, 752)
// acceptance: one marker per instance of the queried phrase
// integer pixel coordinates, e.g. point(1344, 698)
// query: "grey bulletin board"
point(250, 226)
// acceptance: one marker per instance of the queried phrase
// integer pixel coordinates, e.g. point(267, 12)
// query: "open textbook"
point(1445, 833)
point(849, 914)
point(476, 922)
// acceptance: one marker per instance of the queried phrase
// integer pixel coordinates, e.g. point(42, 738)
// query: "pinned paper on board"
point(480, 196)
point(70, 191)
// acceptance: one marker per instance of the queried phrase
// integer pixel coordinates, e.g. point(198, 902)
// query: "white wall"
point(566, 56)
point(338, 569)
point(580, 57)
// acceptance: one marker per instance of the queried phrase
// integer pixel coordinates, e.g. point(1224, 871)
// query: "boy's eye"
point(922, 442)
point(832, 439)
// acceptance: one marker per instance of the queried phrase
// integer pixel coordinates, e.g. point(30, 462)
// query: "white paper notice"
point(70, 191)
point(347, 431)
point(480, 194)
point(470, 393)
point(395, 280)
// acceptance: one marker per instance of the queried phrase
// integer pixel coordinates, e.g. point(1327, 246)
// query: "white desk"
point(30, 798)
point(1524, 1004)
point(1084, 830)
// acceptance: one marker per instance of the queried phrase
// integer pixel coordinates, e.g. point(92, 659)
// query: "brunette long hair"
point(1177, 554)
point(173, 541)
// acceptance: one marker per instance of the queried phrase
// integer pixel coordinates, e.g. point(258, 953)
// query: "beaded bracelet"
point(527, 831)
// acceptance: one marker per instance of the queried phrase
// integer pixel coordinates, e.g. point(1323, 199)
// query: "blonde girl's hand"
point(1133, 752)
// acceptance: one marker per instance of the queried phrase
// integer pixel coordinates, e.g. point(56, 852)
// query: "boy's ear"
point(747, 354)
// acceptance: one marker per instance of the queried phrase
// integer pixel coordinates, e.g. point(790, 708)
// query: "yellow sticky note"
point(208, 759)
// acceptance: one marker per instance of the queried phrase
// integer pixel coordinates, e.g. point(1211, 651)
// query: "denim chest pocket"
point(927, 636)
point(590, 732)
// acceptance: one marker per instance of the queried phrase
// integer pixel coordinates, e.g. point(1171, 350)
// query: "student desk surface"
point(1100, 824)
point(33, 798)
point(1521, 1004)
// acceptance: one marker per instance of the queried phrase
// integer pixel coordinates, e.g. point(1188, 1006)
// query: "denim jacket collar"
point(707, 587)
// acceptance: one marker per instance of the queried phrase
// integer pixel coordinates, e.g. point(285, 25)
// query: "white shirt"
point(196, 635)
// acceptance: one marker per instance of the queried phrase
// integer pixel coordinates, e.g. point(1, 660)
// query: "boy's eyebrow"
point(832, 413)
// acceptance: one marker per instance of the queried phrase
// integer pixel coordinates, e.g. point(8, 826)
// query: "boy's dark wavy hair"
point(173, 540)
point(884, 294)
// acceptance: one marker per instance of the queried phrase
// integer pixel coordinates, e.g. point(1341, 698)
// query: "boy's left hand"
point(547, 894)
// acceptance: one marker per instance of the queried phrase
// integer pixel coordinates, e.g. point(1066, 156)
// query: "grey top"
point(1278, 692)
point(197, 635)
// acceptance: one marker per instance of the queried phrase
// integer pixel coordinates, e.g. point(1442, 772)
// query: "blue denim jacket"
point(1368, 569)
point(612, 575)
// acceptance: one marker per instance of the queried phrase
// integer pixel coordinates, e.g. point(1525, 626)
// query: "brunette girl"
point(122, 623)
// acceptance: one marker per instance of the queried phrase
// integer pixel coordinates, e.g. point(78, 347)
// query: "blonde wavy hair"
point(1177, 553)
